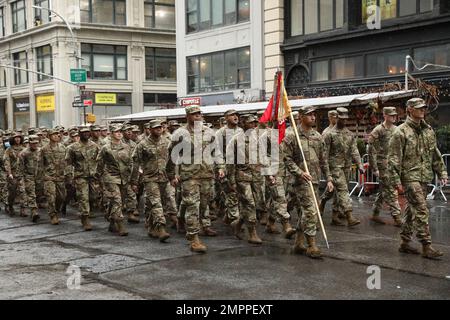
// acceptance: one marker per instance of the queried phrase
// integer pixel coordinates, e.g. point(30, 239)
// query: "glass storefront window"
point(347, 68)
point(319, 71)
point(439, 54)
point(386, 63)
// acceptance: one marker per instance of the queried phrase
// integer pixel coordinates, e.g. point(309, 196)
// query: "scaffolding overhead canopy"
point(321, 103)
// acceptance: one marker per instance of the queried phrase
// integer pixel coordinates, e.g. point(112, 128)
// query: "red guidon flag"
point(279, 107)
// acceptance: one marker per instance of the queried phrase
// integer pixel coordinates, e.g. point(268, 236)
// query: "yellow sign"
point(105, 98)
point(45, 103)
point(91, 118)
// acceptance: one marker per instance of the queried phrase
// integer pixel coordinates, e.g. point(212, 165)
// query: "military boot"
point(299, 244)
point(112, 226)
point(287, 229)
point(264, 218)
point(54, 220)
point(271, 227)
point(163, 235)
point(181, 226)
point(121, 228)
point(196, 244)
point(152, 232)
point(376, 218)
point(430, 253)
point(397, 221)
point(313, 251)
point(406, 248)
point(350, 220)
point(174, 221)
point(236, 225)
point(335, 221)
point(86, 223)
point(23, 213)
point(253, 237)
point(34, 215)
point(133, 218)
point(209, 232)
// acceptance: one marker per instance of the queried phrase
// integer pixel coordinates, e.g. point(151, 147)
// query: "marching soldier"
point(332, 119)
point(82, 156)
point(30, 158)
point(413, 159)
point(114, 167)
point(378, 151)
point(314, 151)
point(54, 170)
point(151, 155)
point(3, 186)
point(340, 150)
point(95, 134)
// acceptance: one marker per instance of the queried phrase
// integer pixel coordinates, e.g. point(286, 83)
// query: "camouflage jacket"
point(326, 130)
point(243, 168)
point(129, 142)
point(29, 161)
point(53, 162)
point(151, 157)
point(341, 149)
point(379, 147)
point(186, 156)
point(12, 161)
point(166, 135)
point(275, 165)
point(221, 138)
point(314, 151)
point(83, 158)
point(114, 163)
point(413, 154)
point(2, 162)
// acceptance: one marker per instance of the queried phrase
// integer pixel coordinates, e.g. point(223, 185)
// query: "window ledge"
point(220, 30)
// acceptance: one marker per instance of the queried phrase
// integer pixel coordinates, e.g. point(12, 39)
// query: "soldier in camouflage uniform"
point(195, 178)
point(151, 155)
point(378, 151)
point(74, 137)
point(53, 166)
point(30, 158)
point(314, 151)
point(241, 177)
point(3, 188)
point(14, 174)
point(413, 160)
point(114, 167)
point(340, 150)
point(82, 156)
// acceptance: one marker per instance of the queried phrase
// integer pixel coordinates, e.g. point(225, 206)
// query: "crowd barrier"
point(436, 185)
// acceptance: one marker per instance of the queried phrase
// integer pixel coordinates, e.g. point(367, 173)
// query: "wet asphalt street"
point(34, 261)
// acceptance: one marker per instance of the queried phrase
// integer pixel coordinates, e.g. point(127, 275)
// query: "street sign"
point(186, 102)
point(78, 75)
point(77, 104)
point(88, 103)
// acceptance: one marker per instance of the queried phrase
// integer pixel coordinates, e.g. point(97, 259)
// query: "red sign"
point(87, 103)
point(186, 102)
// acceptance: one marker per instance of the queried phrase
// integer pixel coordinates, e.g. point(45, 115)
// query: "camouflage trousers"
point(95, 195)
point(342, 202)
point(3, 189)
point(327, 195)
point(16, 190)
point(387, 194)
point(55, 192)
point(114, 196)
point(416, 213)
point(156, 193)
point(230, 201)
point(40, 192)
point(277, 200)
point(308, 219)
point(168, 200)
point(291, 197)
point(259, 193)
point(30, 192)
point(196, 195)
point(247, 203)
point(84, 188)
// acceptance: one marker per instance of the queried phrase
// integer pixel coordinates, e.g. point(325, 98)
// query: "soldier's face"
point(104, 133)
point(250, 125)
point(55, 138)
point(309, 120)
point(332, 120)
point(156, 132)
point(17, 141)
point(418, 114)
point(233, 119)
point(33, 146)
point(117, 135)
point(196, 117)
point(95, 134)
point(390, 119)
point(127, 134)
point(84, 136)
point(76, 139)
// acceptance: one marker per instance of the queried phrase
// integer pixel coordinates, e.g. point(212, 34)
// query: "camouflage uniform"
point(413, 159)
point(30, 165)
point(3, 187)
point(378, 152)
point(130, 202)
point(16, 187)
point(54, 170)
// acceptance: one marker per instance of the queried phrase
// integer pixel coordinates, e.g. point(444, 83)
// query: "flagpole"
point(294, 125)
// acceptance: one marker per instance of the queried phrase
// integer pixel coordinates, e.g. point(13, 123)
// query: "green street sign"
point(78, 75)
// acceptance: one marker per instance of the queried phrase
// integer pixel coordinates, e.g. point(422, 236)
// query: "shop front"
point(107, 105)
point(45, 110)
point(21, 113)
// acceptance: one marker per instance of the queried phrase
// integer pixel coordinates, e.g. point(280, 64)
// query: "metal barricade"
point(354, 179)
point(436, 184)
point(368, 179)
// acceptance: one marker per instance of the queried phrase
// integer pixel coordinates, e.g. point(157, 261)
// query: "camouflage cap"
point(115, 127)
point(147, 125)
point(31, 131)
point(17, 134)
point(307, 110)
point(390, 111)
point(333, 113)
point(52, 131)
point(136, 128)
point(33, 139)
point(103, 128)
point(416, 103)
point(174, 123)
point(155, 124)
point(84, 129)
point(193, 109)
point(19, 130)
point(126, 126)
point(230, 113)
point(163, 119)
point(95, 127)
point(251, 118)
point(74, 134)
point(43, 128)
point(342, 113)
point(73, 128)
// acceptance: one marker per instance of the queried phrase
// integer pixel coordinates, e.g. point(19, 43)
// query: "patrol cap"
point(163, 120)
point(43, 128)
point(52, 131)
point(33, 139)
point(193, 109)
point(390, 111)
point(103, 128)
point(416, 103)
point(136, 129)
point(342, 113)
point(251, 118)
point(333, 113)
point(126, 126)
point(32, 131)
point(95, 128)
point(230, 113)
point(19, 130)
point(174, 123)
point(84, 129)
point(116, 127)
point(74, 134)
point(147, 125)
point(73, 128)
point(25, 140)
point(155, 124)
point(17, 134)
point(307, 110)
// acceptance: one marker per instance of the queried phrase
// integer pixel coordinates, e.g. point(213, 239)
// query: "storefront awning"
point(322, 103)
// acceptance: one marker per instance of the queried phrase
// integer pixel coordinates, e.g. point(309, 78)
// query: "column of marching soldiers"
point(93, 168)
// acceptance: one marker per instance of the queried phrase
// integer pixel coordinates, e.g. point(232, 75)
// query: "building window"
point(159, 14)
point(208, 14)
point(439, 54)
point(41, 16)
point(44, 62)
point(390, 9)
point(386, 63)
point(20, 61)
point(153, 100)
point(347, 68)
point(103, 11)
point(160, 64)
point(105, 62)
point(320, 71)
point(2, 77)
point(19, 20)
point(2, 22)
point(313, 16)
point(229, 70)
